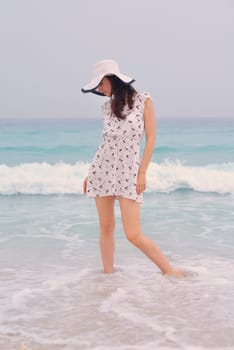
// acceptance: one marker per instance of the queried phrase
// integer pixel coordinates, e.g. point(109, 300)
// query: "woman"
point(116, 170)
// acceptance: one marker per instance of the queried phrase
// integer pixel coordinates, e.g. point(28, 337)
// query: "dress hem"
point(140, 201)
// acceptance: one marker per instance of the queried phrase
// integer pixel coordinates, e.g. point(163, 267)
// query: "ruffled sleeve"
point(140, 101)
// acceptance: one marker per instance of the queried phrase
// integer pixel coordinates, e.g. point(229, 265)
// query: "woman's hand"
point(141, 182)
point(85, 185)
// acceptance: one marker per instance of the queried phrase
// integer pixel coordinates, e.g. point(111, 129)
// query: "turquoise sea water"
point(53, 294)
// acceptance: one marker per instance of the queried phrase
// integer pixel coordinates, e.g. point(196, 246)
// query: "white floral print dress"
point(114, 168)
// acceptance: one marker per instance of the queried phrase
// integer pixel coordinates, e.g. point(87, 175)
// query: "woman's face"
point(105, 87)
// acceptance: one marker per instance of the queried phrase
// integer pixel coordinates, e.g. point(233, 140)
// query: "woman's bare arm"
point(150, 134)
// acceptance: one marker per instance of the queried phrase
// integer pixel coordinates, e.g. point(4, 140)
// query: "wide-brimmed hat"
point(100, 70)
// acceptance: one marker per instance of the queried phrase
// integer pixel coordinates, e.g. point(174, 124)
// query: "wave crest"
point(63, 178)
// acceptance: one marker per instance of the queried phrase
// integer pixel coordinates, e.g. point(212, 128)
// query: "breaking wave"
point(64, 178)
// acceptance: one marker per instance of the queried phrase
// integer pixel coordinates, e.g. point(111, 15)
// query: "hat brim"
point(94, 83)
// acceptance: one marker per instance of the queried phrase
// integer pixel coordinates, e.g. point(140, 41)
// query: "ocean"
point(53, 294)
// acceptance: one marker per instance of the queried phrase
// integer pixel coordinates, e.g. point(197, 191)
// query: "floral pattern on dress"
point(114, 168)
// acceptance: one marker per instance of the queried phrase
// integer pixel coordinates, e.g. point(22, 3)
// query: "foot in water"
point(176, 273)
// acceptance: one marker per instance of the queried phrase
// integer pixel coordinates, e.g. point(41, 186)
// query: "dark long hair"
point(122, 94)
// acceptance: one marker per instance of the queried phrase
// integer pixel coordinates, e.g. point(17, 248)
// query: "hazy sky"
point(180, 51)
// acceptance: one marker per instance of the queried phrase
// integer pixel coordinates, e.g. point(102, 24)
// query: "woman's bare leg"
point(130, 213)
point(105, 208)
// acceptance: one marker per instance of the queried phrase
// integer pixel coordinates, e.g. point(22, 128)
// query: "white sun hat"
point(102, 69)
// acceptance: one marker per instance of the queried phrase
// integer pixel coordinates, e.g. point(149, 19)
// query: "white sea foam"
point(171, 176)
point(63, 178)
point(42, 178)
point(136, 307)
point(19, 298)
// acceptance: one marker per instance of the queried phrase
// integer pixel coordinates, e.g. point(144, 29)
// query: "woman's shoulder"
point(142, 96)
point(140, 99)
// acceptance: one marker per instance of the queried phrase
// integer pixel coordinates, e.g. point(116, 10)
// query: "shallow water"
point(55, 296)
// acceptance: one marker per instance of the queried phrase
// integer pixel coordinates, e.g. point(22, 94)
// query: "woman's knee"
point(133, 237)
point(107, 227)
